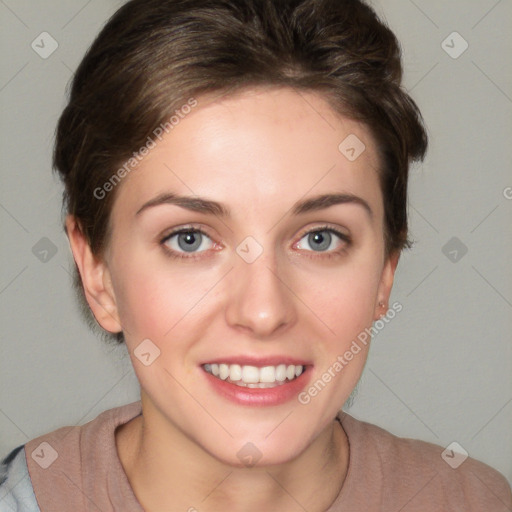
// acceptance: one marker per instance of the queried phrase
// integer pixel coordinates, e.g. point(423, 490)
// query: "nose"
point(260, 301)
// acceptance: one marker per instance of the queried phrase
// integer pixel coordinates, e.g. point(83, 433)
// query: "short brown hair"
point(154, 55)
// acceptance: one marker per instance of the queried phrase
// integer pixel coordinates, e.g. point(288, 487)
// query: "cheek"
point(152, 299)
point(343, 300)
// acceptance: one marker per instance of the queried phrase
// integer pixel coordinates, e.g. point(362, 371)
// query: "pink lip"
point(258, 361)
point(260, 397)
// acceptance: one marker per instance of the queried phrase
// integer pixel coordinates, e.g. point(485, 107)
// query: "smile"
point(253, 376)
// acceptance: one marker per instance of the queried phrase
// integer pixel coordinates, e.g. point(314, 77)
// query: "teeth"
point(223, 371)
point(254, 377)
point(268, 374)
point(250, 374)
point(235, 372)
point(281, 373)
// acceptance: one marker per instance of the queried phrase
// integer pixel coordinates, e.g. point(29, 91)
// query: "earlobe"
point(95, 277)
point(386, 284)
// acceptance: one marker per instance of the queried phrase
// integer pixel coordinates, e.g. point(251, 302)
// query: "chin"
point(244, 453)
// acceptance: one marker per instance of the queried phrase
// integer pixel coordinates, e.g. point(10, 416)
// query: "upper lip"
point(258, 361)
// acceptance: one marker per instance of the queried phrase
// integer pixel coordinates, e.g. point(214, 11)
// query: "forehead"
point(259, 150)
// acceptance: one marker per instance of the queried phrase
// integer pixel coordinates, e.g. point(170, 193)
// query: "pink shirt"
point(386, 473)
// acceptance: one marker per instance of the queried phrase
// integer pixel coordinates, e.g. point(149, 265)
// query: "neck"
point(168, 471)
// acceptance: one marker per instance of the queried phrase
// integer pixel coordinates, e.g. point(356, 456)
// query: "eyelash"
point(194, 256)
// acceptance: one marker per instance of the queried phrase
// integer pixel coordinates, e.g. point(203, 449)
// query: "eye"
point(324, 240)
point(187, 240)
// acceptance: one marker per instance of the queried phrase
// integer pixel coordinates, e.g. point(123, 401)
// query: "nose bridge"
point(258, 298)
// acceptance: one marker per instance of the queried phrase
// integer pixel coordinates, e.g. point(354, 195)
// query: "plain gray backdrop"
point(441, 371)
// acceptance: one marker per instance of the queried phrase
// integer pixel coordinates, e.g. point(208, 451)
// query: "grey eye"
point(188, 241)
point(320, 240)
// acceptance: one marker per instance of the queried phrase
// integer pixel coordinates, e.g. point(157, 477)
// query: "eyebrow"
point(206, 206)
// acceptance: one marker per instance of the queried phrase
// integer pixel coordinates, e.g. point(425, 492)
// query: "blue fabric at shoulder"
point(16, 492)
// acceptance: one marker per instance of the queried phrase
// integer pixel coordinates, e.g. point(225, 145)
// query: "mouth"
point(248, 376)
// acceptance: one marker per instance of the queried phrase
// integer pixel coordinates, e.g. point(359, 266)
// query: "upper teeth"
point(253, 374)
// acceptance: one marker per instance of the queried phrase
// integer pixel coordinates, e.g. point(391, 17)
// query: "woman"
point(208, 148)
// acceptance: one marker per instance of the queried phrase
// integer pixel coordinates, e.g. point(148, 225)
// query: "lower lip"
point(260, 396)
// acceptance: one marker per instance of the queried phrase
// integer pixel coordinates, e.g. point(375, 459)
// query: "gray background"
point(441, 371)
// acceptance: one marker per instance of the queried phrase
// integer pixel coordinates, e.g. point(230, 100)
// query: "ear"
point(386, 284)
point(95, 277)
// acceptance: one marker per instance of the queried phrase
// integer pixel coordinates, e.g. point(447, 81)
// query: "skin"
point(257, 153)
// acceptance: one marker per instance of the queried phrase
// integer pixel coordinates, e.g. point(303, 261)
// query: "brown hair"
point(154, 55)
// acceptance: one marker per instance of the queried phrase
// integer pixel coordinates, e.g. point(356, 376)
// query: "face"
point(256, 271)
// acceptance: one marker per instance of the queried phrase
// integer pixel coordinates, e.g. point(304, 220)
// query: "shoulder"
point(68, 464)
point(425, 473)
point(16, 491)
